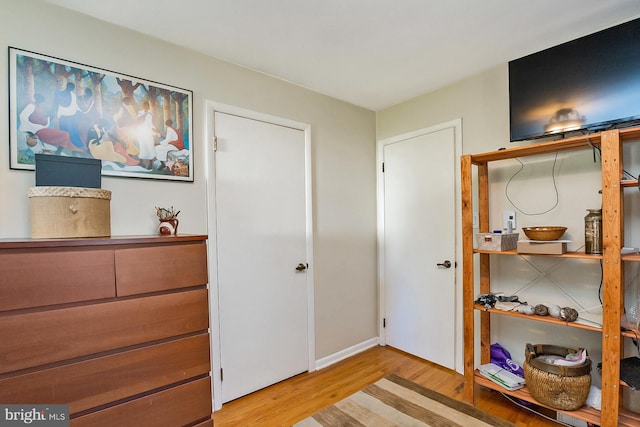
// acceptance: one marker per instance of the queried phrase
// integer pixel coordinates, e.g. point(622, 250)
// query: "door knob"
point(301, 267)
point(445, 264)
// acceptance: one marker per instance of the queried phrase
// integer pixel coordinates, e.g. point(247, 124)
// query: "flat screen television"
point(588, 84)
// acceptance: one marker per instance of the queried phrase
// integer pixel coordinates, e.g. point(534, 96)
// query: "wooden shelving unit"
point(610, 143)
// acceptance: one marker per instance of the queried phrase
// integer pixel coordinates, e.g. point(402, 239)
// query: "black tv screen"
point(591, 83)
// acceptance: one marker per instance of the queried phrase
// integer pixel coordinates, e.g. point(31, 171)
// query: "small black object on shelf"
point(629, 371)
point(64, 171)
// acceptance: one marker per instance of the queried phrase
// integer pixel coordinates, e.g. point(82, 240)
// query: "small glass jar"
point(593, 232)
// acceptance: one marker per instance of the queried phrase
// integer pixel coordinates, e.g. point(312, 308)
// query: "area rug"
point(395, 401)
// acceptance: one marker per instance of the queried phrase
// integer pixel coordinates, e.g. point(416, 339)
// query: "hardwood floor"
point(292, 400)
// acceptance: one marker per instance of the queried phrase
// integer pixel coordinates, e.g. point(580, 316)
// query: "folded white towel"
point(572, 359)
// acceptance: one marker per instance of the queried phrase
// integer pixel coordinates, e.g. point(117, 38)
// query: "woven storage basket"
point(559, 387)
point(62, 212)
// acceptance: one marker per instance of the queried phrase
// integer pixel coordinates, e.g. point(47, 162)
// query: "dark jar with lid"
point(593, 232)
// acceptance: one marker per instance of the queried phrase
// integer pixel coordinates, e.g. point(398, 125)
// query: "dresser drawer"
point(41, 278)
point(177, 406)
point(34, 339)
point(91, 383)
point(159, 268)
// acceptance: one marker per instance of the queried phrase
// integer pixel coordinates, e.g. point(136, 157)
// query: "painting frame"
point(138, 128)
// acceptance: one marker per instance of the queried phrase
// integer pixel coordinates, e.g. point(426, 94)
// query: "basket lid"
point(93, 193)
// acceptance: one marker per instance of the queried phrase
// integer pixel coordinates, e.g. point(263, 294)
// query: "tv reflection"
point(564, 120)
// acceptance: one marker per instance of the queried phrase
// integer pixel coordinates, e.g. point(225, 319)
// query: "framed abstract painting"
point(137, 128)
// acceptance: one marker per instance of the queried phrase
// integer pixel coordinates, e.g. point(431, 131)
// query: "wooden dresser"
point(117, 328)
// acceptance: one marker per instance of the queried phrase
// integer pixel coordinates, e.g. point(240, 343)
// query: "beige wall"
point(343, 141)
point(482, 102)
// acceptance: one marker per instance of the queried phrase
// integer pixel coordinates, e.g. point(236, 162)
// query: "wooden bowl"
point(544, 233)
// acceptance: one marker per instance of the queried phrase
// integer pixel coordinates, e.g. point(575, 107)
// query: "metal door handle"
point(445, 264)
point(301, 267)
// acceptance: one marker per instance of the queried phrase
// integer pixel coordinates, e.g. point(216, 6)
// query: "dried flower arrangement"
point(164, 213)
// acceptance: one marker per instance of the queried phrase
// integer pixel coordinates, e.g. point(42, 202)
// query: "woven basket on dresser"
point(559, 387)
point(63, 212)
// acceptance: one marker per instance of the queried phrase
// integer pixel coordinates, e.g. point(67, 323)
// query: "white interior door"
point(261, 239)
point(419, 245)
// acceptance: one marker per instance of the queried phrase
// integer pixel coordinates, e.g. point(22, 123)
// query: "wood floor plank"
point(292, 400)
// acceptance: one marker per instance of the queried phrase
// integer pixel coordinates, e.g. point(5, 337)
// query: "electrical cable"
point(599, 151)
point(512, 400)
point(555, 187)
point(596, 150)
point(601, 280)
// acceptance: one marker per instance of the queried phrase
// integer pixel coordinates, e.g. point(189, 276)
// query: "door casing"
point(457, 127)
point(211, 108)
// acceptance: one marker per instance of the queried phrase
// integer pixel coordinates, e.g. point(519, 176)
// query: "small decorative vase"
point(168, 226)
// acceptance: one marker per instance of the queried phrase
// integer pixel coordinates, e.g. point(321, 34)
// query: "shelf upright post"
point(613, 275)
point(485, 261)
point(467, 278)
point(469, 270)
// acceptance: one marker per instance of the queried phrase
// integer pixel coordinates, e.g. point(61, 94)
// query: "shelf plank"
point(590, 415)
point(547, 319)
point(585, 413)
point(630, 134)
point(631, 333)
point(628, 418)
point(550, 147)
point(581, 255)
point(631, 257)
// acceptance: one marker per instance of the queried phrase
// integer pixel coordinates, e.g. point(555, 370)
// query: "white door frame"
point(457, 127)
point(214, 319)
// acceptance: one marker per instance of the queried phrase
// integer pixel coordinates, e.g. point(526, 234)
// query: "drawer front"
point(34, 279)
point(34, 339)
point(91, 383)
point(151, 269)
point(181, 405)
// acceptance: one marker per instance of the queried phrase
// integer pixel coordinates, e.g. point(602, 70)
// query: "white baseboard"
point(347, 352)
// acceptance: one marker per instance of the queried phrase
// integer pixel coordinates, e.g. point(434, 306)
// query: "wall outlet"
point(476, 222)
point(509, 216)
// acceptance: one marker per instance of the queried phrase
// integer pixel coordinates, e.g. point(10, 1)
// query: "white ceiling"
point(372, 53)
